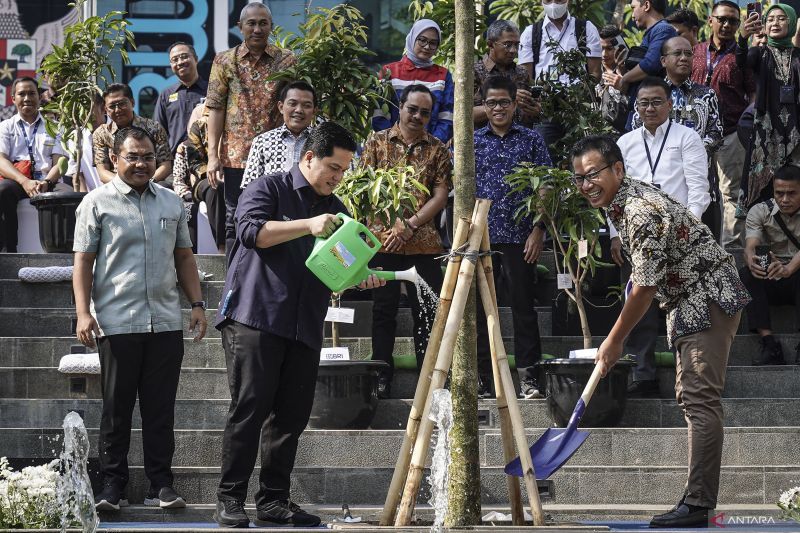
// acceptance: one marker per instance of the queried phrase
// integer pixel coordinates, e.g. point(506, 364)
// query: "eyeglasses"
point(121, 104)
point(578, 179)
point(727, 20)
point(178, 58)
point(779, 18)
point(655, 104)
point(135, 159)
point(414, 110)
point(491, 104)
point(678, 53)
point(427, 43)
point(510, 45)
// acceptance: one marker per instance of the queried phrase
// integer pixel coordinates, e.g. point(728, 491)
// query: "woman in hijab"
point(776, 128)
point(417, 66)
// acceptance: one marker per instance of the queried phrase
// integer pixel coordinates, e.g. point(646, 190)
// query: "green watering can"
point(341, 260)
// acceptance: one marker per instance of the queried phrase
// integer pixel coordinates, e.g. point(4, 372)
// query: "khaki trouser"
point(701, 361)
point(730, 162)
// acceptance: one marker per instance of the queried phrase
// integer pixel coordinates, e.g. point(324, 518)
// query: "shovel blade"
point(550, 452)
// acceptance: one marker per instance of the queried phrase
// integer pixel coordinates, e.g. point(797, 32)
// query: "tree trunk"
point(464, 495)
point(587, 334)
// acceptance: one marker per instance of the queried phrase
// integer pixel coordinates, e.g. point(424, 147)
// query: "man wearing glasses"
point(677, 261)
point(714, 64)
point(671, 157)
point(118, 100)
point(176, 103)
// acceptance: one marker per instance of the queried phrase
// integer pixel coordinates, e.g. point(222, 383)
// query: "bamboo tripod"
point(401, 498)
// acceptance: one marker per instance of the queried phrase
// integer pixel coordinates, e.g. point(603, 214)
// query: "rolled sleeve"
point(163, 153)
point(257, 205)
point(100, 147)
point(695, 169)
point(444, 125)
point(182, 238)
point(217, 94)
point(648, 249)
point(87, 227)
point(756, 220)
point(6, 140)
point(593, 41)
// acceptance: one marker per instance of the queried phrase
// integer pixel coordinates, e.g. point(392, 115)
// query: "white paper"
point(340, 314)
point(341, 353)
point(564, 281)
point(588, 353)
point(583, 248)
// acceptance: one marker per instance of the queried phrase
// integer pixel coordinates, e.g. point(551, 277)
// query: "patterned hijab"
point(420, 26)
point(785, 42)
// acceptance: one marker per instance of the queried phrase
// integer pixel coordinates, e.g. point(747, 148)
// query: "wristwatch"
point(201, 303)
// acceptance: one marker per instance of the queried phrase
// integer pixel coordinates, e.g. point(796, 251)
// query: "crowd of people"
point(706, 131)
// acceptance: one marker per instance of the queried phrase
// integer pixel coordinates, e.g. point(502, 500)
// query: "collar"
point(112, 126)
point(661, 129)
point(487, 130)
point(395, 135)
point(298, 179)
point(654, 25)
point(686, 86)
point(126, 189)
point(18, 118)
point(567, 21)
point(725, 46)
point(242, 50)
point(488, 63)
point(616, 208)
point(776, 210)
point(199, 82)
point(283, 132)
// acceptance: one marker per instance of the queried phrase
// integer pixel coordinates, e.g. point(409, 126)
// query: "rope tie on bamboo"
point(471, 256)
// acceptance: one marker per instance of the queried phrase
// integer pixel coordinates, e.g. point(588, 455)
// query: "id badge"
point(37, 175)
point(787, 94)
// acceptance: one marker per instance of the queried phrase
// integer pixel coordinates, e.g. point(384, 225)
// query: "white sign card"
point(341, 353)
point(588, 353)
point(340, 314)
point(583, 248)
point(564, 281)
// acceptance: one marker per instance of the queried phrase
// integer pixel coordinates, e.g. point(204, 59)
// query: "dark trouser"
point(385, 301)
point(215, 210)
point(713, 219)
point(150, 364)
point(233, 184)
point(766, 292)
point(641, 341)
point(11, 193)
point(520, 278)
point(550, 131)
point(272, 381)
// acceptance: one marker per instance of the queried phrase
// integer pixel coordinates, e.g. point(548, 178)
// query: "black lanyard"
point(30, 143)
point(653, 167)
point(711, 66)
point(560, 35)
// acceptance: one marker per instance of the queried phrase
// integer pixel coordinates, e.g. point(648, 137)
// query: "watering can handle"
point(375, 241)
point(591, 385)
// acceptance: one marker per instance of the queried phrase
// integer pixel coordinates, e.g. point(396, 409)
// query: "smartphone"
point(536, 91)
point(619, 42)
point(753, 7)
point(762, 253)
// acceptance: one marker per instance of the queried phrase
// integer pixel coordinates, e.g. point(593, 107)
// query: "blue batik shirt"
point(495, 158)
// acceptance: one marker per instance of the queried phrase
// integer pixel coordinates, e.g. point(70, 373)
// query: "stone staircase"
point(623, 471)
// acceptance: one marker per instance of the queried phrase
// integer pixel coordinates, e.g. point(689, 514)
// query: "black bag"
point(635, 56)
point(614, 109)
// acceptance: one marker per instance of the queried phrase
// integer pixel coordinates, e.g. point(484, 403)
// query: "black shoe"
point(684, 515)
point(111, 498)
point(484, 387)
point(646, 388)
point(166, 498)
point(230, 513)
point(770, 352)
point(284, 512)
point(529, 389)
point(384, 387)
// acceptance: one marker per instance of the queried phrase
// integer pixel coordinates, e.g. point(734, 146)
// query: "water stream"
point(442, 414)
point(428, 301)
point(74, 489)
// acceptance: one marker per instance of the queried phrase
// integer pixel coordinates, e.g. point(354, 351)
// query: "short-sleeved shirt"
point(103, 140)
point(495, 158)
point(761, 225)
point(15, 134)
point(486, 68)
point(135, 237)
point(669, 250)
point(238, 85)
point(174, 107)
point(566, 39)
point(271, 289)
point(274, 151)
point(431, 160)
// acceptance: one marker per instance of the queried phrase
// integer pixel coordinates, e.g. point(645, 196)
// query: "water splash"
point(74, 490)
point(428, 302)
point(442, 414)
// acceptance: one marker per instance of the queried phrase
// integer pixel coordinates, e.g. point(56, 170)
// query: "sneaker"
point(484, 387)
point(166, 498)
point(384, 387)
point(770, 352)
point(284, 512)
point(644, 388)
point(110, 499)
point(529, 389)
point(230, 513)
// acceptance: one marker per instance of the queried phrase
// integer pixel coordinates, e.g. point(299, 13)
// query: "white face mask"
point(554, 10)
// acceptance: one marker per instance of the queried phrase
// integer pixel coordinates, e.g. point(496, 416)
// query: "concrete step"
point(212, 383)
point(393, 414)
point(379, 448)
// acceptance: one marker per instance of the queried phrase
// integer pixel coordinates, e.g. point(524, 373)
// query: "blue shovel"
point(557, 445)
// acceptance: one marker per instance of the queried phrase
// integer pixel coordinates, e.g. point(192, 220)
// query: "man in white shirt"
point(673, 158)
point(28, 157)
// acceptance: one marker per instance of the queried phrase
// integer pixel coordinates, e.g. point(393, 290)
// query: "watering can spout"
point(400, 275)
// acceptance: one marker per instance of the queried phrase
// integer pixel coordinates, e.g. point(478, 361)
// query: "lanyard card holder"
point(787, 94)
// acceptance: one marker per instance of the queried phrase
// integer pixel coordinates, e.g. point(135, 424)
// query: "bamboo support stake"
point(518, 427)
point(424, 381)
point(506, 430)
point(443, 361)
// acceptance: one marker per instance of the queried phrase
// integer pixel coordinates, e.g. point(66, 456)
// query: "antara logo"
point(719, 520)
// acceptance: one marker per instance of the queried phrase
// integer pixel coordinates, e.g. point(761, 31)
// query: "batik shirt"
point(668, 248)
point(103, 141)
point(274, 151)
point(495, 158)
point(238, 85)
point(431, 160)
point(485, 68)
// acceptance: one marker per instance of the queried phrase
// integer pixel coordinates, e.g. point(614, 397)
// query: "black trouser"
point(272, 381)
point(385, 301)
point(150, 364)
point(712, 217)
point(233, 189)
point(215, 210)
point(520, 278)
point(766, 292)
point(11, 193)
point(641, 341)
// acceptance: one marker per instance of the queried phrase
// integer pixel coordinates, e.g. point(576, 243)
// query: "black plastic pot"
point(57, 219)
point(565, 380)
point(346, 395)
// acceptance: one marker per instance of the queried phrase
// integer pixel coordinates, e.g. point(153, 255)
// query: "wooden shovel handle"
point(594, 379)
